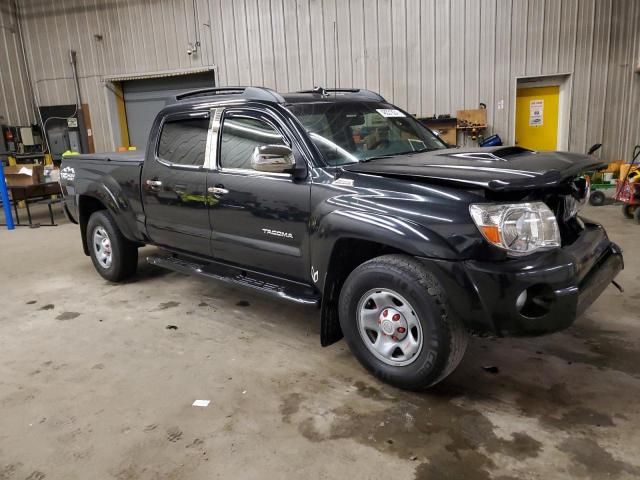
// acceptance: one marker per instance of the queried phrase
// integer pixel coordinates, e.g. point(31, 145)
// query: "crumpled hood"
point(495, 168)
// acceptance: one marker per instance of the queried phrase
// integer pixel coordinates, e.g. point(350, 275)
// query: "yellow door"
point(537, 118)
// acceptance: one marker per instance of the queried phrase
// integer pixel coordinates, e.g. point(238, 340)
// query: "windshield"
point(349, 132)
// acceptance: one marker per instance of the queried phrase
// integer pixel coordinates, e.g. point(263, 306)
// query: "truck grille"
point(565, 208)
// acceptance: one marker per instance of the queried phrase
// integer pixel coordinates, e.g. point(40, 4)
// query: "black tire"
point(636, 215)
point(444, 341)
point(597, 198)
point(629, 210)
point(124, 253)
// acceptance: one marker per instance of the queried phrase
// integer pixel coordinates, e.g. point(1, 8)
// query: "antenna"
point(335, 57)
point(335, 82)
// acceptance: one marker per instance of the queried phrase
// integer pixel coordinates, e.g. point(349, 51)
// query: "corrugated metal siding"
point(428, 56)
point(15, 103)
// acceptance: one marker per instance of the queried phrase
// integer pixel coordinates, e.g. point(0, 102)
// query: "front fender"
point(395, 232)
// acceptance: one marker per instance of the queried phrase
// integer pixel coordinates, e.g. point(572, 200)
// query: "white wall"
point(428, 56)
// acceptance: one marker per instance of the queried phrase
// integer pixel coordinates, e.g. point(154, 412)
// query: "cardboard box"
point(21, 175)
point(51, 173)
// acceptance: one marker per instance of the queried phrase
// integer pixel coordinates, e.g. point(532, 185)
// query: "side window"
point(240, 136)
point(184, 141)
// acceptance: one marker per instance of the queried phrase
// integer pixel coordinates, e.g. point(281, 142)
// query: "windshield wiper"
point(378, 157)
point(425, 149)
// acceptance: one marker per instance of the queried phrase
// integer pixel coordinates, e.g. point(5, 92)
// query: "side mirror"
point(273, 158)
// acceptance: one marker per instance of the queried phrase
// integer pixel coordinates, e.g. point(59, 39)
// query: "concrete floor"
point(94, 385)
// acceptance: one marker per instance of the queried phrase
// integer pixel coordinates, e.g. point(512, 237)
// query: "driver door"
point(259, 219)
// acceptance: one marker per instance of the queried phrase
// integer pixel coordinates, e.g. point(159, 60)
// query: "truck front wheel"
point(114, 257)
point(395, 317)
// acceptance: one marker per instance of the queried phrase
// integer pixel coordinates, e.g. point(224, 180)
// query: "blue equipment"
point(4, 195)
point(492, 141)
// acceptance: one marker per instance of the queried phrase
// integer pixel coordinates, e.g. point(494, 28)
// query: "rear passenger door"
point(174, 190)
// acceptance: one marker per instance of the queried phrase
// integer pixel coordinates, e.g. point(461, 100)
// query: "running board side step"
point(291, 291)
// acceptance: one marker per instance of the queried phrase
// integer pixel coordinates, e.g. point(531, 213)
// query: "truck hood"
point(495, 168)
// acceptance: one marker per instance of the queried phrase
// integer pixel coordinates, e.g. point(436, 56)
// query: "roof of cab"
point(317, 94)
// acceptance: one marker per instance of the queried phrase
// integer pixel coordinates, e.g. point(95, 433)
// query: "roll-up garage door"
point(144, 98)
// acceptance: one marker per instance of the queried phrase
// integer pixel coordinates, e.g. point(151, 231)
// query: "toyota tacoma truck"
point(340, 200)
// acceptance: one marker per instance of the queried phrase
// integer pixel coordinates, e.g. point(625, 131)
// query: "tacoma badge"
point(277, 233)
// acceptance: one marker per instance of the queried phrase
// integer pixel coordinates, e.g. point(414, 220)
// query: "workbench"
point(31, 193)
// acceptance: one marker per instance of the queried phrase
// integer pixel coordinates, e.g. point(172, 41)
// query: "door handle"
point(153, 183)
point(218, 190)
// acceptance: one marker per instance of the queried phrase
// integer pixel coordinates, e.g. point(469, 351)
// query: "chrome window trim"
point(211, 152)
point(254, 173)
point(181, 116)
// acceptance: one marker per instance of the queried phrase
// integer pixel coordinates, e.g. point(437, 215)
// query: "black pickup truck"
point(338, 199)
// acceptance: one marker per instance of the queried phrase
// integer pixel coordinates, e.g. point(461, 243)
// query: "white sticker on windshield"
point(390, 112)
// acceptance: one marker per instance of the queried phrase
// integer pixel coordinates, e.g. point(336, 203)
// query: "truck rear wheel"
point(395, 317)
point(114, 257)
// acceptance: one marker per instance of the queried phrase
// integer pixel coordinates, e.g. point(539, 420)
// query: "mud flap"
point(330, 331)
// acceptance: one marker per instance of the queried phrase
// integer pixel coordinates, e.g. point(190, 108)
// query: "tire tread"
point(453, 326)
point(126, 252)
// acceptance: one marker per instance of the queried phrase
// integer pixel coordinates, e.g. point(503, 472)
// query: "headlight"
point(519, 228)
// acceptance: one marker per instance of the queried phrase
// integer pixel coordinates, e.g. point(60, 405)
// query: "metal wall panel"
point(535, 22)
point(15, 102)
point(428, 47)
point(442, 45)
point(472, 53)
point(385, 51)
point(456, 56)
point(428, 56)
point(487, 60)
point(503, 83)
point(599, 71)
point(372, 57)
point(551, 36)
point(581, 76)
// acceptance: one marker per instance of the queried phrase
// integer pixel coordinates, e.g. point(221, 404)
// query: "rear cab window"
point(183, 141)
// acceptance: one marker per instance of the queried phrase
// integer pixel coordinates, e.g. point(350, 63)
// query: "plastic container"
point(492, 141)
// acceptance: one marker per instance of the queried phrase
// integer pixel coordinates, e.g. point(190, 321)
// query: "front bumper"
point(560, 283)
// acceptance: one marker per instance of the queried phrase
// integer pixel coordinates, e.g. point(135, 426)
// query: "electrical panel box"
point(22, 139)
point(65, 129)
